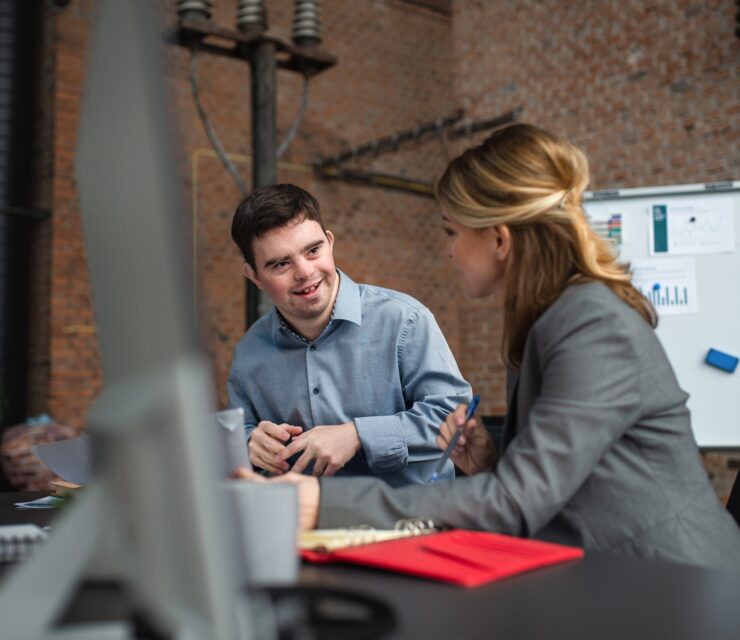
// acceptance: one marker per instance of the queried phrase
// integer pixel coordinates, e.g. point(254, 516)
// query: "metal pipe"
point(252, 20)
point(392, 142)
point(383, 180)
point(263, 66)
point(469, 128)
point(264, 75)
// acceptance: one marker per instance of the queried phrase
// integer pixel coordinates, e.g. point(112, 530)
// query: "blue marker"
point(453, 441)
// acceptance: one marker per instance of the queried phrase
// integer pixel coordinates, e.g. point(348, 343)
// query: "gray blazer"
point(597, 450)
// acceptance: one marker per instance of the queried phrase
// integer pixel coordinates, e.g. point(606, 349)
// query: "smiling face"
point(294, 265)
point(480, 255)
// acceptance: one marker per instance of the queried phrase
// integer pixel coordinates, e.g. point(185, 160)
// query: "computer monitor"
point(152, 516)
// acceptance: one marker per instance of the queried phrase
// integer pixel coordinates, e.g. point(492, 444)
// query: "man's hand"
point(309, 494)
point(474, 451)
point(267, 441)
point(330, 446)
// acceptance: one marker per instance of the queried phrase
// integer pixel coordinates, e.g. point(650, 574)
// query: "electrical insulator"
point(307, 23)
point(251, 16)
point(202, 9)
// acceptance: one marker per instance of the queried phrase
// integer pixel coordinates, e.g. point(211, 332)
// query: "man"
point(339, 378)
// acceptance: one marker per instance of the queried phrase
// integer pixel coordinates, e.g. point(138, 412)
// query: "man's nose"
point(303, 269)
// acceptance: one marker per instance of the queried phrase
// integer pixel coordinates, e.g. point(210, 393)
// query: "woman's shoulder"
point(586, 291)
point(589, 319)
point(584, 303)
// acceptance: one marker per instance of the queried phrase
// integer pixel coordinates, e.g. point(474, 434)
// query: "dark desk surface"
point(600, 597)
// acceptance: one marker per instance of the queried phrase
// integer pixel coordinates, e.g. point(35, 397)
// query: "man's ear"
point(250, 274)
point(330, 238)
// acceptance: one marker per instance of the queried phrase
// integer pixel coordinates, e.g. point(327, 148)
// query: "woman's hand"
point(308, 493)
point(474, 451)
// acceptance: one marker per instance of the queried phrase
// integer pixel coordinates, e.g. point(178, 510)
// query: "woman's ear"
point(503, 241)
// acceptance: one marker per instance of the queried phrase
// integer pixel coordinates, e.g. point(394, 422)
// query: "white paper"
point(233, 443)
point(69, 459)
point(669, 283)
point(48, 502)
point(692, 226)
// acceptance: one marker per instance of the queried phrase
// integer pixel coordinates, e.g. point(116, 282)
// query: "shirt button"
point(315, 390)
point(313, 347)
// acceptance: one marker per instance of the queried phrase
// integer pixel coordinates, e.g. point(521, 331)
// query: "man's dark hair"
point(269, 208)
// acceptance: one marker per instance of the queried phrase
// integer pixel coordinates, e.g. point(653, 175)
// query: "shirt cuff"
point(383, 442)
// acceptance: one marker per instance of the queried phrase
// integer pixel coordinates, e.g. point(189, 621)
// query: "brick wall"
point(64, 362)
point(723, 468)
point(649, 89)
point(394, 71)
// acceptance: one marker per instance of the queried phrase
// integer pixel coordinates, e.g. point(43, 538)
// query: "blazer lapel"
point(509, 428)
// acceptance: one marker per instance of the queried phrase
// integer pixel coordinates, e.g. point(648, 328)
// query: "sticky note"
point(721, 360)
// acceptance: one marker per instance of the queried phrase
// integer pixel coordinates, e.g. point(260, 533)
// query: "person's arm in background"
point(432, 387)
point(589, 397)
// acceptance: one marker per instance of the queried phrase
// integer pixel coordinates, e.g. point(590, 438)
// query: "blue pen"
point(453, 441)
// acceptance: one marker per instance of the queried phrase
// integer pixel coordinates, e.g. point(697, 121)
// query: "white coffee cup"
point(264, 522)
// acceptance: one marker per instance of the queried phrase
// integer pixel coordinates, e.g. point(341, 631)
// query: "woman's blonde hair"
point(533, 181)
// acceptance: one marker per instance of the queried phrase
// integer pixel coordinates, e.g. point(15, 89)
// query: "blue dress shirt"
point(381, 362)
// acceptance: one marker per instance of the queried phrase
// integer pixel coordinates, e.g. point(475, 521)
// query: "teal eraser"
point(722, 360)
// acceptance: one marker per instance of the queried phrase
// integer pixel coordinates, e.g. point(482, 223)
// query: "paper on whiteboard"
point(669, 283)
point(609, 224)
point(691, 226)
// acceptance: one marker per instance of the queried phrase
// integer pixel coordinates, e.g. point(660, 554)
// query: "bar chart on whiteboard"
point(669, 283)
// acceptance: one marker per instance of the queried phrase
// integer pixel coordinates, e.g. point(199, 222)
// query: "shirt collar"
point(347, 306)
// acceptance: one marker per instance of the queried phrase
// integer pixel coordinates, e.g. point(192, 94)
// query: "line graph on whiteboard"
point(692, 226)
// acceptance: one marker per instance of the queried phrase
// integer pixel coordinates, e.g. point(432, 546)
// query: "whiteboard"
point(715, 321)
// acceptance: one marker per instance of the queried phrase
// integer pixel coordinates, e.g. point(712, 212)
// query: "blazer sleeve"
point(588, 398)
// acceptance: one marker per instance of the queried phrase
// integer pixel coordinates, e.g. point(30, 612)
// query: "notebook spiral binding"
point(18, 543)
point(419, 525)
point(330, 539)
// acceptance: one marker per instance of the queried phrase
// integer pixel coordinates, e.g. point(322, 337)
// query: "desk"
point(600, 597)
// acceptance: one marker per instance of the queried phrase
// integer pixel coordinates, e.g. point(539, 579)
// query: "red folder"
point(466, 558)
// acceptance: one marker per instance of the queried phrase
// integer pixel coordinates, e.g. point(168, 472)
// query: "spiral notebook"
point(314, 545)
point(18, 541)
point(465, 558)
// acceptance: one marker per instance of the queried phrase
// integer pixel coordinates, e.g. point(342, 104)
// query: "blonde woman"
point(597, 448)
